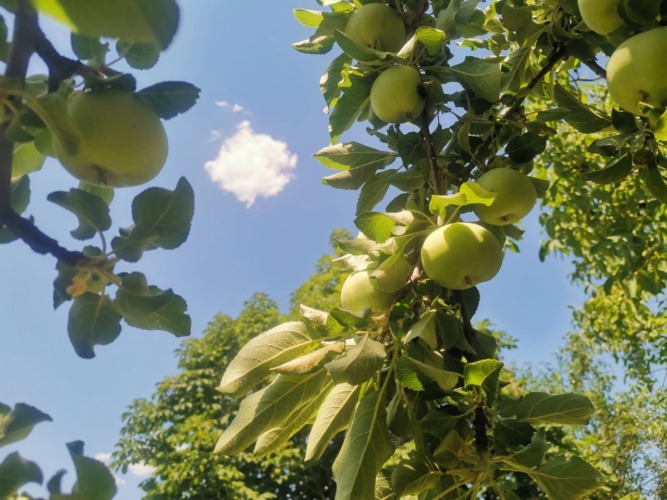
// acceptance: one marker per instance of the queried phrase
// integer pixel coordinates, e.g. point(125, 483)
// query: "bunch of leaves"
point(35, 113)
point(93, 478)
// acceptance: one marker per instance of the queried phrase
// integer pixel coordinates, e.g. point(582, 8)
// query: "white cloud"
point(141, 469)
point(103, 457)
point(222, 104)
point(252, 165)
point(236, 108)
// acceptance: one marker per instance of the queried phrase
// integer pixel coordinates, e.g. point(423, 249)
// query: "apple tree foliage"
point(94, 280)
point(499, 79)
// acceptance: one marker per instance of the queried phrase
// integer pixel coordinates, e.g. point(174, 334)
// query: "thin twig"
point(593, 65)
point(430, 152)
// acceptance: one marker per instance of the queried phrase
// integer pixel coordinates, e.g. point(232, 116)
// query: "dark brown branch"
point(22, 48)
point(593, 65)
point(430, 152)
point(38, 241)
point(27, 37)
point(556, 56)
point(481, 423)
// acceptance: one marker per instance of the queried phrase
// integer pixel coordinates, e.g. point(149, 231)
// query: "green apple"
point(395, 95)
point(359, 294)
point(121, 139)
point(636, 71)
point(460, 255)
point(377, 26)
point(515, 196)
point(601, 15)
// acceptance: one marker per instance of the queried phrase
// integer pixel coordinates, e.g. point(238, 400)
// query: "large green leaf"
point(15, 471)
point(358, 364)
point(93, 479)
point(480, 76)
point(365, 449)
point(355, 99)
point(358, 162)
point(150, 21)
point(333, 416)
point(266, 351)
point(311, 361)
point(169, 99)
point(270, 440)
point(16, 424)
point(149, 308)
point(93, 320)
point(91, 210)
point(539, 407)
point(567, 479)
point(269, 408)
point(162, 219)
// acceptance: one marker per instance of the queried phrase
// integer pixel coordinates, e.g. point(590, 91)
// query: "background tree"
point(174, 430)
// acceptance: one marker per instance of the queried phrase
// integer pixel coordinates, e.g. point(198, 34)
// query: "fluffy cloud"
point(141, 469)
point(252, 165)
point(235, 108)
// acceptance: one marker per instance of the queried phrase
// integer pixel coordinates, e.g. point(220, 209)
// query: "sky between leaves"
point(262, 219)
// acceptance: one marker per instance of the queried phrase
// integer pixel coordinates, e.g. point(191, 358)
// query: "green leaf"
point(333, 416)
point(309, 18)
point(539, 407)
point(93, 479)
point(93, 320)
point(373, 191)
point(272, 348)
point(580, 116)
point(358, 364)
point(424, 329)
point(359, 163)
point(16, 472)
point(162, 219)
point(18, 423)
point(484, 374)
point(355, 99)
point(20, 198)
point(432, 39)
point(169, 99)
point(532, 455)
point(140, 56)
point(365, 449)
point(444, 379)
point(655, 183)
point(150, 21)
point(52, 110)
point(450, 449)
point(616, 170)
point(375, 225)
point(566, 479)
point(91, 210)
point(313, 361)
point(149, 308)
point(272, 439)
point(87, 48)
point(480, 76)
point(322, 321)
point(269, 408)
point(526, 147)
point(413, 477)
point(332, 77)
point(26, 159)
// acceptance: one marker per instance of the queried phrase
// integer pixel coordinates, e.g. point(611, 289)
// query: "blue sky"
point(262, 219)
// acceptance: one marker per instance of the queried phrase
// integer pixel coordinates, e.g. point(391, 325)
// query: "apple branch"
point(593, 65)
point(430, 152)
point(27, 34)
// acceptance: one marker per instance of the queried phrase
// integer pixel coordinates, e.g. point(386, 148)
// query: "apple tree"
point(88, 114)
point(459, 113)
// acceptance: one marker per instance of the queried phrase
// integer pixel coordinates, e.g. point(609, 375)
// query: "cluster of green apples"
point(121, 140)
point(458, 255)
point(396, 93)
point(636, 69)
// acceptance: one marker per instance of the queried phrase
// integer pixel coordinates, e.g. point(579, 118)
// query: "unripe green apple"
point(395, 95)
point(359, 294)
point(460, 255)
point(377, 26)
point(515, 196)
point(636, 71)
point(601, 15)
point(121, 139)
